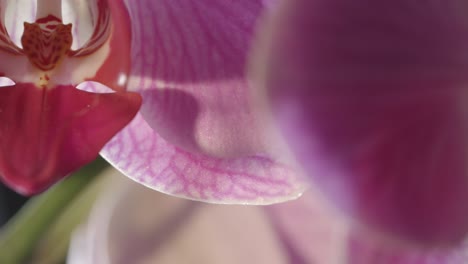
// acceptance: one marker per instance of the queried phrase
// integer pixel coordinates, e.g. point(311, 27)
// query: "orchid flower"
point(167, 104)
point(371, 97)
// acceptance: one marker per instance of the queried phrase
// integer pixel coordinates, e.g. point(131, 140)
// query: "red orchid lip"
point(48, 133)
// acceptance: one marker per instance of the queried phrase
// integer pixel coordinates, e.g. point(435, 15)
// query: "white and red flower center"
point(48, 128)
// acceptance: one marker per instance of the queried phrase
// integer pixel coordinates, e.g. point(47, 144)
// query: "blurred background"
point(10, 203)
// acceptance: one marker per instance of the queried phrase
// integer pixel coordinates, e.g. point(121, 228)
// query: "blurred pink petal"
point(366, 250)
point(371, 97)
point(132, 224)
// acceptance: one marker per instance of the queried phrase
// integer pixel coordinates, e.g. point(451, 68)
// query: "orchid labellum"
point(195, 134)
point(372, 98)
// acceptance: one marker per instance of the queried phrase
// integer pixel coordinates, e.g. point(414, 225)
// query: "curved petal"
point(188, 63)
point(371, 96)
point(105, 56)
point(147, 158)
point(310, 230)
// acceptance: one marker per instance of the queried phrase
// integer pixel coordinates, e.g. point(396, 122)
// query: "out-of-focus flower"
point(133, 224)
point(372, 98)
point(195, 135)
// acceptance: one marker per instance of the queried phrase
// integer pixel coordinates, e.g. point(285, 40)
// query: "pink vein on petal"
point(149, 159)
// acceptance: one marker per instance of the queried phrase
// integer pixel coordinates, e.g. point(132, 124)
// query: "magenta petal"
point(371, 96)
point(362, 250)
point(189, 61)
point(147, 158)
point(310, 230)
point(48, 133)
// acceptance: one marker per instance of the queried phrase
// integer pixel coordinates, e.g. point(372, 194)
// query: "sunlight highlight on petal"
point(200, 49)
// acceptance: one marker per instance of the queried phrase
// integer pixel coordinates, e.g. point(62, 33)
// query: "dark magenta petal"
point(372, 98)
point(368, 250)
point(48, 133)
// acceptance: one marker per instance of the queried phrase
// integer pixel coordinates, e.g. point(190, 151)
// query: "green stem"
point(20, 235)
point(54, 243)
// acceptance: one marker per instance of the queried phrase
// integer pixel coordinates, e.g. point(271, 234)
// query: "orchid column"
point(50, 128)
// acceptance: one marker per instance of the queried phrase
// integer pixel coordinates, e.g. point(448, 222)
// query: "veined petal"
point(188, 63)
point(372, 97)
point(48, 133)
point(147, 158)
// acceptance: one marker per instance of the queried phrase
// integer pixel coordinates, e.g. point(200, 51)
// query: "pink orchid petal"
point(48, 133)
point(371, 96)
point(4, 81)
point(147, 158)
point(311, 230)
point(133, 224)
point(189, 60)
point(362, 250)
